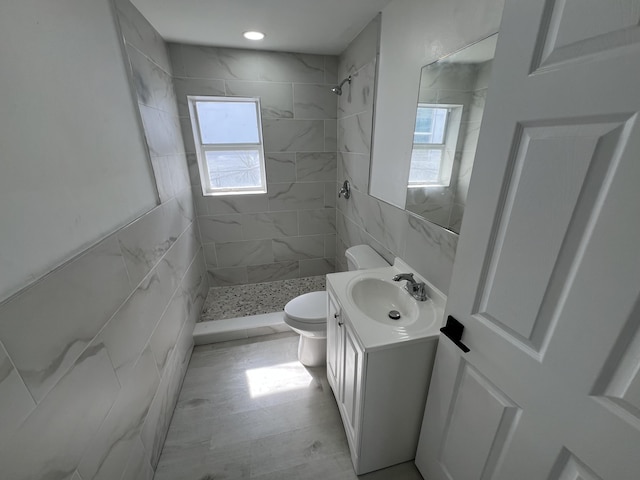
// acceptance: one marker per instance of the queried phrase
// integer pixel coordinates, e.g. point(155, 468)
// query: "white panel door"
point(547, 274)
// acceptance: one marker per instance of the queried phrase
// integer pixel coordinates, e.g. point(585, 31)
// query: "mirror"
point(451, 98)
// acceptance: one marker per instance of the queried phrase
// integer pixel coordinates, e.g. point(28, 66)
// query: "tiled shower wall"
point(93, 354)
point(389, 230)
point(288, 232)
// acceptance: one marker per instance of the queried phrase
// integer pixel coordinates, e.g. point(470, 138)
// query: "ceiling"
point(306, 26)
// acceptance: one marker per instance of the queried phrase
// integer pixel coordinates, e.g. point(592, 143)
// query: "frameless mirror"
point(448, 115)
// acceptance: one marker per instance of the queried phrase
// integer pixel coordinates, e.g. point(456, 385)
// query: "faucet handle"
point(404, 276)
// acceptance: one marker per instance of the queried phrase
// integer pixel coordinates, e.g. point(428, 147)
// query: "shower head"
point(338, 88)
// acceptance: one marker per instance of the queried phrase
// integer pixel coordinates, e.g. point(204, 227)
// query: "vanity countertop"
point(375, 334)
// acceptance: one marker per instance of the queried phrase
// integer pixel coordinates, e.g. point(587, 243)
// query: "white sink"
point(376, 297)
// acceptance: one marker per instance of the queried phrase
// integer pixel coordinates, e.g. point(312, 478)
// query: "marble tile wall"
point(93, 354)
point(289, 232)
point(364, 219)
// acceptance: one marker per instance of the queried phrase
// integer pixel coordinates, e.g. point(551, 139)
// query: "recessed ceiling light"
point(253, 35)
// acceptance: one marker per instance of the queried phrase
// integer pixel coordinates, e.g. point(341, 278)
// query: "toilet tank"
point(360, 257)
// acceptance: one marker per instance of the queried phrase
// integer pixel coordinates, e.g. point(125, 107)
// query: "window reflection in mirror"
point(448, 116)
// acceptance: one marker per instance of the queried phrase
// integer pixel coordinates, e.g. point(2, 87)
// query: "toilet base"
point(312, 351)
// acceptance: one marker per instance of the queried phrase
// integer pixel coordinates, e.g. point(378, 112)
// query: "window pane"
point(430, 125)
point(228, 122)
point(233, 168)
point(425, 166)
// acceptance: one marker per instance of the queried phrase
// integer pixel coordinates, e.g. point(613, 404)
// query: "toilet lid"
point(308, 308)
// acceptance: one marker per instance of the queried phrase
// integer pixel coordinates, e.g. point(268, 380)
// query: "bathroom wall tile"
point(431, 203)
point(354, 167)
point(276, 99)
point(220, 63)
point(162, 131)
point(331, 190)
point(250, 252)
point(138, 32)
point(179, 257)
point(478, 100)
point(387, 224)
point(109, 449)
point(181, 180)
point(269, 225)
point(430, 249)
point(67, 308)
point(354, 133)
point(221, 277)
point(314, 101)
point(317, 221)
point(455, 221)
point(163, 177)
point(316, 167)
point(220, 228)
point(330, 135)
point(187, 135)
point(445, 76)
point(210, 257)
point(348, 232)
point(330, 69)
point(357, 97)
point(330, 246)
point(273, 271)
point(281, 167)
point(163, 340)
point(361, 50)
point(291, 67)
point(143, 243)
point(283, 135)
point(127, 333)
point(220, 205)
point(195, 284)
point(15, 401)
point(356, 207)
point(138, 466)
point(87, 392)
point(176, 219)
point(196, 86)
point(194, 170)
point(297, 248)
point(293, 196)
point(153, 85)
point(317, 266)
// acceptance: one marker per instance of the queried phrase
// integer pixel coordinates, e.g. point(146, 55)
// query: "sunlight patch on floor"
point(279, 378)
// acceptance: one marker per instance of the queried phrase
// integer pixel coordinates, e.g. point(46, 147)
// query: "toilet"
point(307, 314)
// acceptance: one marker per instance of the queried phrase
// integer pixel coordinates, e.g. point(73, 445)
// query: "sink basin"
point(376, 297)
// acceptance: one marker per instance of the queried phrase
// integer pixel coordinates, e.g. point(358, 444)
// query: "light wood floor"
point(249, 410)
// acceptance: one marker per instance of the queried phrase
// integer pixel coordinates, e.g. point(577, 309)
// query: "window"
point(228, 137)
point(434, 142)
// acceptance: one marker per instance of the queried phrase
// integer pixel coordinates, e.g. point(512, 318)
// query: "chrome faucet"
point(416, 289)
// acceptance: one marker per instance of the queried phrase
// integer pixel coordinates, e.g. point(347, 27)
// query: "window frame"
point(202, 148)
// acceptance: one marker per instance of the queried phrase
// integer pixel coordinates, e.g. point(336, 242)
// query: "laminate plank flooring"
point(249, 410)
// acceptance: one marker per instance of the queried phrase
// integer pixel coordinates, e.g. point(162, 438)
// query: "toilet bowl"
point(307, 314)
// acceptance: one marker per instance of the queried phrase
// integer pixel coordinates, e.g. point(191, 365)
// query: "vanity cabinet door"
point(352, 385)
point(334, 346)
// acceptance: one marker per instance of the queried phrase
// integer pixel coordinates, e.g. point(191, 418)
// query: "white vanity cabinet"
point(381, 391)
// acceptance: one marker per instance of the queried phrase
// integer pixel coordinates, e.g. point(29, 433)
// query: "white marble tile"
point(67, 309)
point(269, 225)
point(316, 167)
point(210, 257)
point(220, 228)
point(107, 453)
point(187, 135)
point(317, 266)
point(330, 246)
point(273, 272)
point(15, 401)
point(276, 99)
point(314, 101)
point(162, 131)
point(194, 171)
point(283, 135)
point(163, 177)
point(59, 427)
point(281, 167)
point(220, 277)
point(354, 133)
point(331, 69)
point(387, 224)
point(354, 167)
point(312, 222)
point(127, 333)
point(138, 32)
point(294, 196)
point(331, 190)
point(330, 135)
point(248, 252)
point(297, 248)
point(195, 86)
point(196, 284)
point(154, 86)
point(357, 97)
point(237, 204)
point(163, 340)
point(361, 50)
point(292, 67)
point(138, 466)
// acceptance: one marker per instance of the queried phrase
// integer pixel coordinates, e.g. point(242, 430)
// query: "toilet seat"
point(310, 308)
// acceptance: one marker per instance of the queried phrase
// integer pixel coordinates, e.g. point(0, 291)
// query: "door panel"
point(547, 273)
